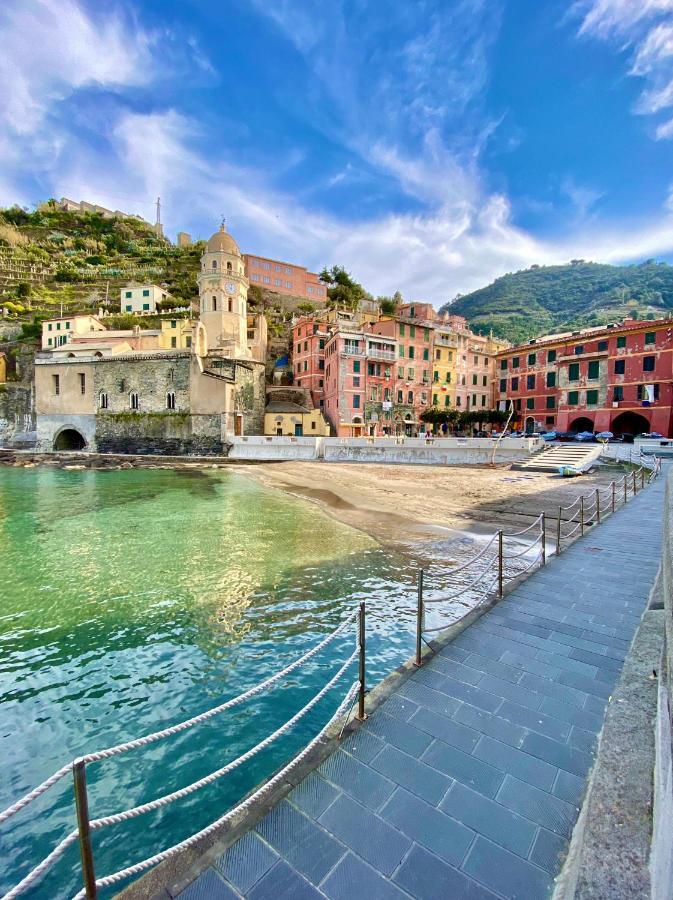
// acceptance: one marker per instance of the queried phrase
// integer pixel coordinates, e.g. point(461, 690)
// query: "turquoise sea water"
point(131, 600)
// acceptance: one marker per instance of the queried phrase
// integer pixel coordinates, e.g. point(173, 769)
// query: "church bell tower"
point(223, 296)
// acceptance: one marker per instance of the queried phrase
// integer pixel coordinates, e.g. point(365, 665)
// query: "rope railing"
point(586, 510)
point(86, 825)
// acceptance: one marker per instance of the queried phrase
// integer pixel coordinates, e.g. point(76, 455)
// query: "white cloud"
point(645, 29)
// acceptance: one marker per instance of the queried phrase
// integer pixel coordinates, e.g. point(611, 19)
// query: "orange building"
point(283, 277)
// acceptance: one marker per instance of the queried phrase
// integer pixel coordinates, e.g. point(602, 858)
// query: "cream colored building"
point(56, 332)
point(292, 420)
point(142, 299)
point(223, 296)
point(3, 368)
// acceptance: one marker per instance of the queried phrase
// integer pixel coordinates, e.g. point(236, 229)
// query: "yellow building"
point(444, 368)
point(176, 334)
point(282, 418)
point(3, 367)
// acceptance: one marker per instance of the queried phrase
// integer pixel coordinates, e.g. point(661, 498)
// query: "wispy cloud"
point(644, 29)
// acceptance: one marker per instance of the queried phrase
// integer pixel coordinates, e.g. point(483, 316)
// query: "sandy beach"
point(397, 503)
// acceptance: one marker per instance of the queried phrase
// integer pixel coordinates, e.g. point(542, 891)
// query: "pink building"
point(309, 335)
point(283, 278)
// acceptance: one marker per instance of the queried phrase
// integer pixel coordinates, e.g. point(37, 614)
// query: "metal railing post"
point(635, 486)
point(582, 515)
point(500, 565)
point(614, 491)
point(626, 489)
point(361, 676)
point(558, 532)
point(598, 507)
point(85, 848)
point(642, 478)
point(544, 540)
point(419, 619)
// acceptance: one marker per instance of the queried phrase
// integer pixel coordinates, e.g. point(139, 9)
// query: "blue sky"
point(427, 146)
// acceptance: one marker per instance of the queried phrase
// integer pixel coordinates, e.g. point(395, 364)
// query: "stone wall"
point(17, 415)
point(250, 396)
point(166, 432)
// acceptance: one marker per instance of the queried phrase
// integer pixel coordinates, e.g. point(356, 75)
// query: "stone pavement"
point(467, 781)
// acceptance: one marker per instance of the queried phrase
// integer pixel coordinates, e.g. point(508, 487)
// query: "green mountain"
point(545, 299)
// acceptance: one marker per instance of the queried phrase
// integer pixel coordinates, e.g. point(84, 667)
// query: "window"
point(435, 376)
point(435, 400)
point(530, 382)
point(483, 399)
point(56, 382)
point(174, 342)
point(288, 284)
point(474, 399)
point(574, 372)
point(267, 280)
point(128, 295)
point(517, 404)
point(621, 342)
point(277, 282)
point(515, 362)
point(146, 293)
point(305, 346)
point(410, 374)
point(321, 344)
point(411, 352)
point(214, 264)
point(447, 400)
point(551, 379)
point(82, 382)
point(593, 369)
point(618, 393)
point(476, 360)
point(515, 383)
point(400, 373)
point(400, 350)
point(549, 420)
point(356, 365)
point(67, 326)
point(474, 379)
point(602, 345)
point(321, 365)
point(102, 400)
point(49, 341)
point(503, 365)
point(620, 366)
point(214, 304)
point(530, 403)
point(551, 402)
point(174, 323)
point(651, 337)
point(648, 363)
point(458, 401)
point(146, 306)
point(592, 398)
point(188, 341)
point(58, 326)
point(551, 356)
point(134, 402)
point(573, 398)
point(412, 331)
point(503, 385)
point(356, 381)
point(579, 349)
point(410, 397)
point(426, 353)
point(170, 400)
point(401, 329)
point(49, 326)
point(400, 398)
point(531, 359)
point(129, 309)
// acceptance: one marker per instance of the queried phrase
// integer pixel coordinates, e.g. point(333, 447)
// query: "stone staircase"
point(581, 456)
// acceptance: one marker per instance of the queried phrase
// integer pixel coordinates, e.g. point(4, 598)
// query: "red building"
point(615, 378)
point(283, 278)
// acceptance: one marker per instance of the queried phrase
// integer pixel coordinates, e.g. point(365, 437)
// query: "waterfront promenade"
point(466, 782)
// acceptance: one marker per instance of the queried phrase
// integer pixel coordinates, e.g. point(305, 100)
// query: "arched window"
point(134, 402)
point(102, 400)
point(231, 305)
point(228, 267)
point(214, 304)
point(214, 264)
point(170, 400)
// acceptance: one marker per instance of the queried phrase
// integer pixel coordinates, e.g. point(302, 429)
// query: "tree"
point(342, 289)
point(387, 306)
point(23, 290)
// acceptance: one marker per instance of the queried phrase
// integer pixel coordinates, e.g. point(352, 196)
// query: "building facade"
point(616, 378)
point(284, 278)
point(142, 299)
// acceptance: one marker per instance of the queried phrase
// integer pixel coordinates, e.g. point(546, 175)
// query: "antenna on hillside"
point(158, 222)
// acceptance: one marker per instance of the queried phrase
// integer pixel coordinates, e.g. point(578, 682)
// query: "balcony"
point(348, 350)
point(377, 353)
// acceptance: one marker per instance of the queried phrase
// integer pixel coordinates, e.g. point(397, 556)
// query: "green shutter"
point(593, 369)
point(573, 372)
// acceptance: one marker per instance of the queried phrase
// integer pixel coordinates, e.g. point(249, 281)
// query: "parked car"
point(547, 435)
point(586, 437)
point(566, 435)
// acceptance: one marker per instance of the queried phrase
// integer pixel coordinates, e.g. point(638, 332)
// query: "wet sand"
point(397, 503)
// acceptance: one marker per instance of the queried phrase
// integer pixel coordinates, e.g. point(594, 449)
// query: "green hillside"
point(543, 299)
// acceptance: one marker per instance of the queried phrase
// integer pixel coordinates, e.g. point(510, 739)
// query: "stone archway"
point(583, 423)
point(629, 422)
point(69, 439)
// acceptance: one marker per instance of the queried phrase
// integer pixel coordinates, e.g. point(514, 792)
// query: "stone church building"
point(187, 401)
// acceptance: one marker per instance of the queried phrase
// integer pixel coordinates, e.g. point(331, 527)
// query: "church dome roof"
point(222, 241)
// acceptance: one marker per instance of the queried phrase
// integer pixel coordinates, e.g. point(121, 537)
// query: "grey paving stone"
point(595, 705)
point(549, 811)
point(453, 652)
point(355, 778)
point(429, 698)
point(246, 861)
point(587, 685)
point(549, 851)
point(530, 663)
point(400, 707)
point(282, 882)
point(515, 692)
point(467, 693)
point(458, 765)
point(363, 745)
point(411, 773)
point(208, 886)
point(308, 848)
point(377, 842)
point(560, 755)
point(510, 875)
point(556, 689)
point(516, 762)
point(425, 877)
point(427, 826)
point(527, 627)
point(455, 669)
point(313, 795)
point(353, 878)
point(493, 667)
point(575, 642)
point(595, 659)
point(584, 740)
point(490, 819)
point(607, 676)
point(496, 726)
point(535, 720)
point(569, 787)
point(569, 664)
point(447, 730)
point(590, 721)
point(399, 734)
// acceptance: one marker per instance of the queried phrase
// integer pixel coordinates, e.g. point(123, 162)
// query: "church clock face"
point(230, 287)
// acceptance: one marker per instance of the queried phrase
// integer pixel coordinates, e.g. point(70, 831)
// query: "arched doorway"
point(629, 422)
point(69, 439)
point(581, 424)
point(530, 425)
